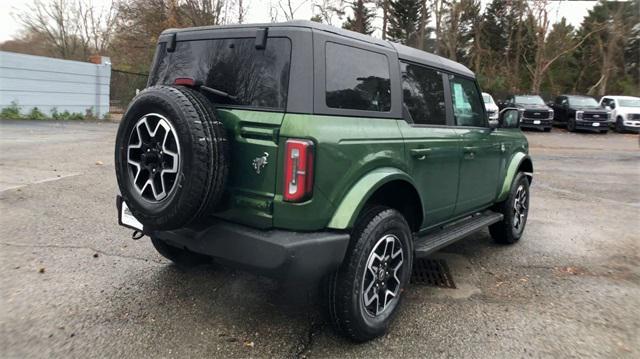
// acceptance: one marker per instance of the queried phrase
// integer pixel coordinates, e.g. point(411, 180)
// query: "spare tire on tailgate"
point(171, 157)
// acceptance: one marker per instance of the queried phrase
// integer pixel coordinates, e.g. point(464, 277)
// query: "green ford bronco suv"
point(309, 153)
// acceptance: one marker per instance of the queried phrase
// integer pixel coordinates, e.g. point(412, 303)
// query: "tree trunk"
point(385, 18)
point(423, 26)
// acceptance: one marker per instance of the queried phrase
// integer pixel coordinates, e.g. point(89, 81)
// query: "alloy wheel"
point(153, 155)
point(520, 208)
point(381, 281)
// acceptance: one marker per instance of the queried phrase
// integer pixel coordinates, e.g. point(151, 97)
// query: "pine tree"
point(404, 21)
point(362, 18)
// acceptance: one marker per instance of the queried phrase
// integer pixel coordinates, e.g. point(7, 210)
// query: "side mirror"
point(510, 117)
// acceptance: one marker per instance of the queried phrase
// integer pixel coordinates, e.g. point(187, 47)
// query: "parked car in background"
point(580, 113)
point(490, 105)
point(536, 114)
point(624, 112)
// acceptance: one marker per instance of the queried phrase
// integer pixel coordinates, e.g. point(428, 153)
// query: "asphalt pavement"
point(74, 284)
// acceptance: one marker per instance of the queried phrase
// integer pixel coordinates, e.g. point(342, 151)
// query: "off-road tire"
point(343, 288)
point(179, 256)
point(204, 157)
point(505, 231)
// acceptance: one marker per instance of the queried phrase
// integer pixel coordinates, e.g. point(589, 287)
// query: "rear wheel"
point(515, 210)
point(179, 256)
point(364, 295)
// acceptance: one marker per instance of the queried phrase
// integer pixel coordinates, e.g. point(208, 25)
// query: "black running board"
point(433, 241)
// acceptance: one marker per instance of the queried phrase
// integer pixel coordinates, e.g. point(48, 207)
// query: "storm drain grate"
point(432, 272)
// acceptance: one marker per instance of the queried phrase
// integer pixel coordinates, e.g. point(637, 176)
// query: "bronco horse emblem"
point(260, 162)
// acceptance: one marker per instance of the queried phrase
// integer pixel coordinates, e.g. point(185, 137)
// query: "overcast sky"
point(258, 11)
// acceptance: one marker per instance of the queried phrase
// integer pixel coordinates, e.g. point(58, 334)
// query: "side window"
point(565, 101)
point(423, 94)
point(612, 103)
point(357, 79)
point(467, 104)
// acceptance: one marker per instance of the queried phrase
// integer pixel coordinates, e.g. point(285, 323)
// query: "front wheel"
point(619, 125)
point(571, 125)
point(364, 294)
point(515, 210)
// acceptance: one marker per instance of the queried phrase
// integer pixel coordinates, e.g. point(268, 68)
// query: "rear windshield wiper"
point(220, 93)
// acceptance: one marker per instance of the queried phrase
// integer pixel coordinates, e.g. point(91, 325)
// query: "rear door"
point(431, 142)
point(481, 147)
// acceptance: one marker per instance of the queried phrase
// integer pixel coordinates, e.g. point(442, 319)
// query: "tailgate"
point(253, 137)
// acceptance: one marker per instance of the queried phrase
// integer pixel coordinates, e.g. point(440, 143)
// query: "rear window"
point(254, 77)
point(357, 79)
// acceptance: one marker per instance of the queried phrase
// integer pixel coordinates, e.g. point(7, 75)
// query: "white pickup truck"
point(625, 111)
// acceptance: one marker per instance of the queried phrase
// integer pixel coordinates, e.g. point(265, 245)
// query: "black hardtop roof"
point(404, 52)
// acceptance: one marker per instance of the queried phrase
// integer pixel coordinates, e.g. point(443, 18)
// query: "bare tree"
point(326, 9)
point(203, 12)
point(98, 24)
point(289, 9)
point(73, 28)
point(546, 55)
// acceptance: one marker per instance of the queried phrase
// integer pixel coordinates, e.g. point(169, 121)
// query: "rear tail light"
point(298, 170)
point(184, 81)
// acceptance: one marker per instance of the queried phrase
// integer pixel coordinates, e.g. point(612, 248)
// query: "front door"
point(481, 148)
point(431, 143)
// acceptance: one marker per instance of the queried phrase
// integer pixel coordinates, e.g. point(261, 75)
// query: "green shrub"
point(55, 114)
point(89, 115)
point(76, 116)
point(36, 114)
point(11, 112)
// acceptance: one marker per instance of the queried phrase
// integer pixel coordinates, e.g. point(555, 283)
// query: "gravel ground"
point(73, 283)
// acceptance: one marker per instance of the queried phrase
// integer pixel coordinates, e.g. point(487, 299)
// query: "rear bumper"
point(283, 255)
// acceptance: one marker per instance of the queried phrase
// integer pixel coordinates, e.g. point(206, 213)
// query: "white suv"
point(625, 111)
point(490, 106)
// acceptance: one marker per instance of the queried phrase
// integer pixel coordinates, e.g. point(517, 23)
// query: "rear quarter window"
point(357, 79)
point(255, 77)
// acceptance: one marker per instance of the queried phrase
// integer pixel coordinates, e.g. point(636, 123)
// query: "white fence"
point(53, 84)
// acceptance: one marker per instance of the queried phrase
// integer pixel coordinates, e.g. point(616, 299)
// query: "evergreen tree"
point(404, 21)
point(494, 29)
point(362, 18)
point(562, 73)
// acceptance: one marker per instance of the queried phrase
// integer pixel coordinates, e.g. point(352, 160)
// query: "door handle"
point(420, 153)
point(470, 152)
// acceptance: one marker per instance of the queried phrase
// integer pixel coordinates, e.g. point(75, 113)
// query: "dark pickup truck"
point(535, 113)
point(580, 113)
